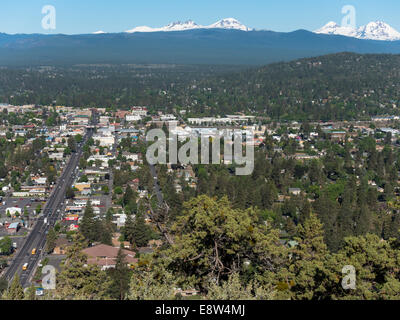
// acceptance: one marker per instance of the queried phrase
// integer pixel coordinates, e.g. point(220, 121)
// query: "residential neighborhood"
point(113, 167)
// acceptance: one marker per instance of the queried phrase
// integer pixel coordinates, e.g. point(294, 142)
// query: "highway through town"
point(50, 215)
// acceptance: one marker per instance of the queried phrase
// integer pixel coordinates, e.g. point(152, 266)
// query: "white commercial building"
point(105, 141)
point(132, 118)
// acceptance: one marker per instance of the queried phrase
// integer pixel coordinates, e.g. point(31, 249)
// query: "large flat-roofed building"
point(106, 256)
point(139, 111)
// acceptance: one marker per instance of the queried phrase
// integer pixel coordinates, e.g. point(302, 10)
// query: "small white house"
point(14, 210)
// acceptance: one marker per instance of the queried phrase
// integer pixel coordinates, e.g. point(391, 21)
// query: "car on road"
point(25, 267)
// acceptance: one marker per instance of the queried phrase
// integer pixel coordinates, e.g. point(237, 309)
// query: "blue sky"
point(86, 16)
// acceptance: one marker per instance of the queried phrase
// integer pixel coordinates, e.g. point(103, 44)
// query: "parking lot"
point(19, 203)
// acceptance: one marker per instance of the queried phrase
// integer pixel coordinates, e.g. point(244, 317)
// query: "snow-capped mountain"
point(377, 30)
point(228, 23)
point(174, 26)
point(178, 26)
point(333, 28)
point(99, 32)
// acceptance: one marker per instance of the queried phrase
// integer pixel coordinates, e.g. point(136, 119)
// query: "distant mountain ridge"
point(193, 46)
point(377, 30)
point(227, 23)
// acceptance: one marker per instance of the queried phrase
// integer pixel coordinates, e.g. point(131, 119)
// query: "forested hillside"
point(333, 87)
point(343, 86)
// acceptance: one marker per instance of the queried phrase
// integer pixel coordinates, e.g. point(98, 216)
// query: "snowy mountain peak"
point(333, 28)
point(377, 30)
point(99, 32)
point(228, 23)
point(178, 26)
point(331, 24)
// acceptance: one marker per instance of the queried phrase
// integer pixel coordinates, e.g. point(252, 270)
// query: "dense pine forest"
point(343, 86)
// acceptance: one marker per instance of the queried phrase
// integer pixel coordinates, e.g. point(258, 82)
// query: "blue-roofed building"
point(13, 228)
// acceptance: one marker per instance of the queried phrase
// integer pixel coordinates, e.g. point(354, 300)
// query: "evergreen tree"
point(88, 225)
point(15, 291)
point(375, 263)
point(128, 197)
point(70, 193)
point(51, 241)
point(152, 282)
point(235, 289)
point(72, 144)
point(79, 281)
point(104, 232)
point(211, 240)
point(141, 231)
point(120, 276)
point(327, 211)
point(306, 267)
point(129, 229)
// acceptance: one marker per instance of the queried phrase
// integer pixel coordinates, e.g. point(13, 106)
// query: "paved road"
point(37, 237)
